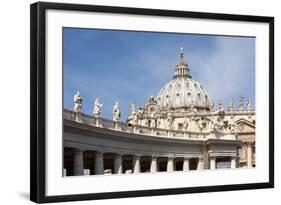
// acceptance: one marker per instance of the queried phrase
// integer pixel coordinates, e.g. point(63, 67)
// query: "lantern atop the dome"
point(182, 69)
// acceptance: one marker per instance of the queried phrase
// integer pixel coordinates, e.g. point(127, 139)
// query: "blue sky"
point(128, 67)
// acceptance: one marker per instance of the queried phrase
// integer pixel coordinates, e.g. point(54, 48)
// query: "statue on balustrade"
point(97, 108)
point(220, 108)
point(231, 104)
point(133, 109)
point(77, 102)
point(116, 112)
point(134, 115)
point(248, 105)
point(240, 105)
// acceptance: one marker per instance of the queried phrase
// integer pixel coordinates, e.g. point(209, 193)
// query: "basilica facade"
point(180, 129)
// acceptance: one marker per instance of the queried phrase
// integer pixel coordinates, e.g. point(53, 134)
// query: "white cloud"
point(228, 71)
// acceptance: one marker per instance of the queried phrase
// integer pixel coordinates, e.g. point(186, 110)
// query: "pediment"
point(245, 126)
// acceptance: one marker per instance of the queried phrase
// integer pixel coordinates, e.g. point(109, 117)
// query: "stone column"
point(99, 169)
point(200, 165)
point(233, 163)
point(136, 164)
point(153, 165)
point(185, 164)
point(78, 162)
point(118, 164)
point(170, 164)
point(249, 155)
point(212, 163)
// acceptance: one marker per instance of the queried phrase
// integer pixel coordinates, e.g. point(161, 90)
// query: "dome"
point(182, 91)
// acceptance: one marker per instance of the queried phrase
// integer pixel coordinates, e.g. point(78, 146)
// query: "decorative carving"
point(170, 121)
point(202, 124)
point(241, 127)
point(152, 99)
point(153, 123)
point(185, 123)
point(212, 126)
point(232, 125)
point(216, 123)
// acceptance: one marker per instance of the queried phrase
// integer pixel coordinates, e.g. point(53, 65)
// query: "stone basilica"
point(181, 129)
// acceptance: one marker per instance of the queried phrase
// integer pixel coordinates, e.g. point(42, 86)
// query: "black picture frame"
point(38, 97)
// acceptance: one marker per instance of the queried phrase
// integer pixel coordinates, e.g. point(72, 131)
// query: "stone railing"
point(142, 130)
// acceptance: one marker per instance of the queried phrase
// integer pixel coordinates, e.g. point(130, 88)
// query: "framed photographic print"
point(129, 102)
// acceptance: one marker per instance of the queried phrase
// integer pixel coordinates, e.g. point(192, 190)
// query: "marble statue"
point(134, 114)
point(248, 104)
point(77, 102)
point(219, 104)
point(212, 106)
point(133, 110)
point(116, 112)
point(231, 104)
point(97, 108)
point(240, 105)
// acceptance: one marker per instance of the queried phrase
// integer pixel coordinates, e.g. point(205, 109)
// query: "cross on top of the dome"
point(182, 69)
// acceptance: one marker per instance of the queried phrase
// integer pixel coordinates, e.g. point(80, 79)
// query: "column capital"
point(118, 155)
point(98, 153)
point(76, 150)
point(171, 156)
point(154, 156)
point(136, 156)
point(187, 157)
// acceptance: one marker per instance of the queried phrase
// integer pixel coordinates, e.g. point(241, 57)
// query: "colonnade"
point(136, 162)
